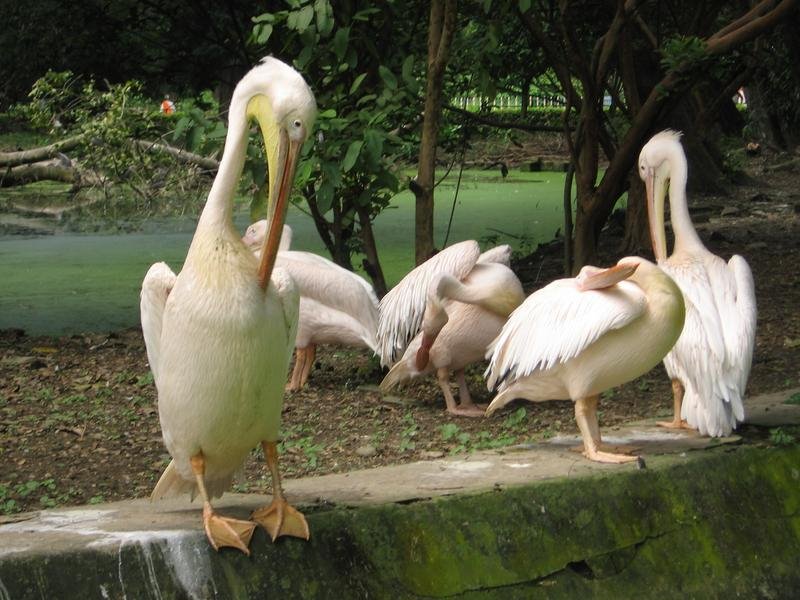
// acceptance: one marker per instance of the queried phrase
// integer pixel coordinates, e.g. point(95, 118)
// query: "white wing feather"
point(402, 309)
point(156, 286)
point(713, 354)
point(325, 282)
point(557, 323)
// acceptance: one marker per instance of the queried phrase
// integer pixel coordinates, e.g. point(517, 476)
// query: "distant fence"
point(510, 101)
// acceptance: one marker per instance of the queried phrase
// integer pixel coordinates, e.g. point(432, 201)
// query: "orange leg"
point(221, 531)
point(311, 354)
point(586, 416)
point(297, 371)
point(279, 518)
point(677, 399)
point(466, 409)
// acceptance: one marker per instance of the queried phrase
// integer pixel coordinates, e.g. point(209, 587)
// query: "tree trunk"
point(440, 33)
point(637, 232)
point(372, 265)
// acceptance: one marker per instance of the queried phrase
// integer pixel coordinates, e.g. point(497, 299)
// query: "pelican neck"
point(686, 237)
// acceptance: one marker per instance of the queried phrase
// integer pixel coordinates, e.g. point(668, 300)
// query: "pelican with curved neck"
point(710, 362)
point(220, 334)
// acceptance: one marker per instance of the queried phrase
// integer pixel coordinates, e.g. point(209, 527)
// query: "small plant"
point(408, 433)
point(145, 380)
point(780, 437)
point(516, 420)
point(793, 399)
point(98, 499)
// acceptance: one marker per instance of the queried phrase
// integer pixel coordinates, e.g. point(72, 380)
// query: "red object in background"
point(167, 106)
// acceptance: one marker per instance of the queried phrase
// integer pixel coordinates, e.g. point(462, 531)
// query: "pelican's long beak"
point(656, 189)
point(279, 203)
point(282, 155)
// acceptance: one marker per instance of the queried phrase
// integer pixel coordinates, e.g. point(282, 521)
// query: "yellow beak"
point(656, 189)
point(282, 156)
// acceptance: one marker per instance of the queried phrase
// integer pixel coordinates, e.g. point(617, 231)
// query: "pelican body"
point(336, 305)
point(453, 305)
point(710, 362)
point(576, 338)
point(219, 335)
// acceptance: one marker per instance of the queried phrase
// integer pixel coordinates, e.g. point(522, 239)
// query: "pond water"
point(67, 283)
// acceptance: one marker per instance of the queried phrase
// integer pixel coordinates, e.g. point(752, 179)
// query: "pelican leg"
point(465, 398)
point(220, 531)
point(677, 399)
point(279, 517)
point(586, 417)
point(471, 410)
point(297, 371)
point(311, 354)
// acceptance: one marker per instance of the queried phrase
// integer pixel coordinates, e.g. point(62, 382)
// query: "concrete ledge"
point(538, 522)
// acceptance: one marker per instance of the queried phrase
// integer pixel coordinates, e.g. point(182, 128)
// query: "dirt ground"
point(79, 420)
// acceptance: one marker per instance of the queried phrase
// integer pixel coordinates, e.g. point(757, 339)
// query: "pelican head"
point(657, 164)
point(278, 98)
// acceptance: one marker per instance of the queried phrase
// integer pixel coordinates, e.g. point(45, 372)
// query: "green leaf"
point(324, 197)
point(340, 40)
point(524, 6)
point(357, 82)
point(373, 147)
point(194, 138)
point(329, 113)
point(304, 18)
point(352, 155)
point(388, 77)
point(262, 32)
point(324, 15)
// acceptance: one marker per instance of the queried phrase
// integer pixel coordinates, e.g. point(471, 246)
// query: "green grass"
point(67, 283)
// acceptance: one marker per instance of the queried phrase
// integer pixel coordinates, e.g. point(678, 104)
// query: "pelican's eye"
point(297, 123)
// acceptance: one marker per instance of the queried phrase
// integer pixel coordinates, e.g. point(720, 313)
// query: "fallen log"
point(52, 170)
point(35, 155)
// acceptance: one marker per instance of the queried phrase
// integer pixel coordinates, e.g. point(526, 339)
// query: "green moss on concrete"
point(718, 523)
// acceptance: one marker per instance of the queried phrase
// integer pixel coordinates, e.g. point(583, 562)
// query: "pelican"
point(336, 305)
point(710, 363)
point(453, 306)
point(219, 335)
point(578, 337)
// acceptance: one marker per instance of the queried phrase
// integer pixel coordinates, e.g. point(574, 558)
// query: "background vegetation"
point(616, 71)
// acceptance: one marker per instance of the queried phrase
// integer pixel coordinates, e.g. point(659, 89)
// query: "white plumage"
point(459, 300)
point(576, 338)
point(710, 362)
point(336, 305)
point(219, 335)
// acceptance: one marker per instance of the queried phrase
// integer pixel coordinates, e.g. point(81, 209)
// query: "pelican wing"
point(499, 254)
point(741, 314)
point(325, 282)
point(557, 323)
point(157, 284)
point(289, 295)
point(402, 309)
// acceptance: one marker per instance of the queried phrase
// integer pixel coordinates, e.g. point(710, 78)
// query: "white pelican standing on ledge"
point(710, 363)
point(576, 338)
point(453, 305)
point(336, 305)
point(220, 334)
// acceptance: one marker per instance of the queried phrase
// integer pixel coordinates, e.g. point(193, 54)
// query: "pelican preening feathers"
point(453, 306)
point(710, 362)
point(576, 338)
point(220, 334)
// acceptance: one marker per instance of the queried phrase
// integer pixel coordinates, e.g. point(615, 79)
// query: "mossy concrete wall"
point(722, 523)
